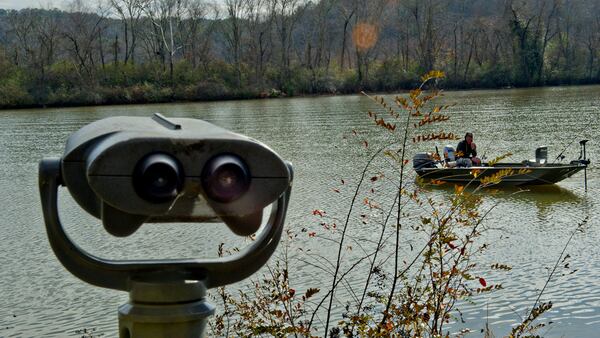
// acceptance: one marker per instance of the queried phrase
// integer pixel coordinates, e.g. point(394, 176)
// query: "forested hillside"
point(124, 51)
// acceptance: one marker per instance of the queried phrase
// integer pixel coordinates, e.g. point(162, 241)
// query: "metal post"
point(585, 170)
point(584, 161)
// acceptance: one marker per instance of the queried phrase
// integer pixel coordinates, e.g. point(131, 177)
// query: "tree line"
point(134, 51)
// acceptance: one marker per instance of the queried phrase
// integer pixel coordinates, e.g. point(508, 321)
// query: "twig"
point(339, 255)
point(557, 263)
point(330, 292)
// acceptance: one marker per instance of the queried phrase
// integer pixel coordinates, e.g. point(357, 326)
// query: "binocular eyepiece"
point(159, 178)
point(225, 178)
point(131, 170)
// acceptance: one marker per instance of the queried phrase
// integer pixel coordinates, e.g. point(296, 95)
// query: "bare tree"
point(233, 33)
point(196, 31)
point(259, 27)
point(82, 30)
point(37, 36)
point(591, 32)
point(316, 51)
point(130, 13)
point(546, 30)
point(532, 26)
point(285, 15)
point(323, 9)
point(347, 12)
point(429, 33)
point(166, 16)
point(403, 36)
point(365, 35)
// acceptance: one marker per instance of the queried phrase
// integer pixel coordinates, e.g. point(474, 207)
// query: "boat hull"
point(518, 174)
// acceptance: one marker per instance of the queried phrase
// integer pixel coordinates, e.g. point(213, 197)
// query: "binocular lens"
point(158, 178)
point(225, 178)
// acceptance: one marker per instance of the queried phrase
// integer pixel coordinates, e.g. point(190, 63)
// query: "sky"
point(19, 4)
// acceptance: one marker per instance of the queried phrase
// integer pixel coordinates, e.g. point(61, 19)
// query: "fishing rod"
point(582, 155)
point(560, 156)
point(483, 158)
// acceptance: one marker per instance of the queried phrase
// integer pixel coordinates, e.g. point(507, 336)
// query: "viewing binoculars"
point(127, 171)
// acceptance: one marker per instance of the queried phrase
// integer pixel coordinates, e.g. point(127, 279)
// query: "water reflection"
point(543, 197)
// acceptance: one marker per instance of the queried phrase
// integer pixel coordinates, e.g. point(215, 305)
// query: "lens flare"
point(364, 36)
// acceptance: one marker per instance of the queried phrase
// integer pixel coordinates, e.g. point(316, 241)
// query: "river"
point(526, 231)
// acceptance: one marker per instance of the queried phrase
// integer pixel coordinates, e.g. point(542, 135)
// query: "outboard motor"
point(541, 155)
point(423, 160)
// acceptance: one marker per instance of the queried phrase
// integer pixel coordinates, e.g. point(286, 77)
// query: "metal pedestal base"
point(165, 309)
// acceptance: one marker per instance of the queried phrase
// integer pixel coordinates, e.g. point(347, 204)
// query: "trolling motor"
point(127, 171)
point(583, 160)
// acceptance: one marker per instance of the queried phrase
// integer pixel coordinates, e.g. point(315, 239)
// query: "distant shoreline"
point(258, 96)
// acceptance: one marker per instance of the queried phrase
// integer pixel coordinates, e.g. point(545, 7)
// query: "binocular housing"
point(127, 171)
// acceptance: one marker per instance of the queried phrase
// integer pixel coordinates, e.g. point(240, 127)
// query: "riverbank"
point(147, 94)
point(63, 84)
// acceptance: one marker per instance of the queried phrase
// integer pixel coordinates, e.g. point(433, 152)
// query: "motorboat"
point(529, 172)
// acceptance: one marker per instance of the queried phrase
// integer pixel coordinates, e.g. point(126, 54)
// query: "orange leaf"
point(318, 212)
point(389, 325)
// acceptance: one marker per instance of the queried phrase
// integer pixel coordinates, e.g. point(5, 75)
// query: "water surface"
point(527, 230)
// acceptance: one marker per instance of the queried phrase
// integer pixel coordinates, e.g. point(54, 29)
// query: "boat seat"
point(541, 156)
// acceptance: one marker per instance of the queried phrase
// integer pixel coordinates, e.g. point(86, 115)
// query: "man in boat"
point(467, 149)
